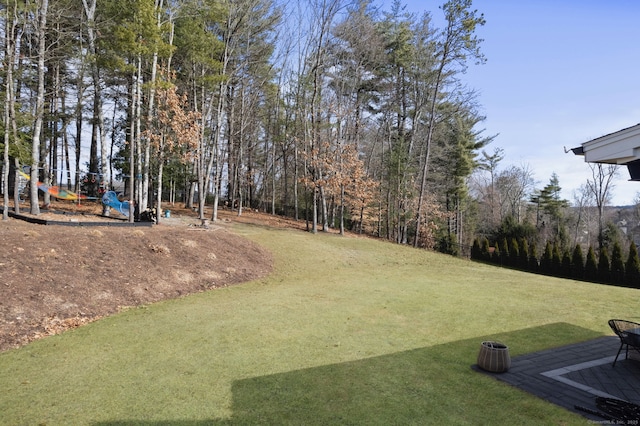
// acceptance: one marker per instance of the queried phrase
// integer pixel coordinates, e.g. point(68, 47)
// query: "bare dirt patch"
point(55, 277)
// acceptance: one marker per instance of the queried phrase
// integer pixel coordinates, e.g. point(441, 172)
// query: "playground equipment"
point(56, 191)
point(110, 198)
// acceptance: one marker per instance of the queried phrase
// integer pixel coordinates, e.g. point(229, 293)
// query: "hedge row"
point(520, 254)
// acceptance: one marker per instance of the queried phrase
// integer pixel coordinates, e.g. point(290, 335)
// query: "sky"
point(558, 73)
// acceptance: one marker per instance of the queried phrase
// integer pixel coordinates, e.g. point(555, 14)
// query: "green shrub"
point(484, 250)
point(514, 253)
point(556, 260)
point(604, 266)
point(533, 257)
point(476, 251)
point(524, 254)
point(565, 267)
point(504, 252)
point(546, 266)
point(632, 268)
point(496, 256)
point(617, 264)
point(591, 266)
point(577, 263)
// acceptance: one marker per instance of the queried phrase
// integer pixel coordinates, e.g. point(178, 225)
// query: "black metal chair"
point(629, 334)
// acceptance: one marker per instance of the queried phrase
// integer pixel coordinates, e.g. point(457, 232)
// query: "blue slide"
point(110, 198)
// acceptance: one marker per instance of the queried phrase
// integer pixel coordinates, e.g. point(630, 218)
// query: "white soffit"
point(620, 147)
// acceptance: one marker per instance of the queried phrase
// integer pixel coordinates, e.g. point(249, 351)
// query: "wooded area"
point(337, 112)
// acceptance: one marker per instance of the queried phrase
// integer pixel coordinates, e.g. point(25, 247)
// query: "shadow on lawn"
point(409, 387)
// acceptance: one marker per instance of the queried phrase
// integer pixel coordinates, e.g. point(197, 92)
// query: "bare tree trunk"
point(43, 7)
point(78, 134)
point(600, 188)
point(133, 140)
point(140, 191)
point(67, 163)
point(16, 187)
point(5, 158)
point(295, 183)
point(217, 137)
point(457, 44)
point(325, 212)
point(90, 10)
point(314, 223)
point(160, 170)
point(9, 111)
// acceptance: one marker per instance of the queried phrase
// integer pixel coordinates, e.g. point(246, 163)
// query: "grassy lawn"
point(344, 331)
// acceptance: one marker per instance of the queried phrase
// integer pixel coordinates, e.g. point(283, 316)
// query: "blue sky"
point(558, 73)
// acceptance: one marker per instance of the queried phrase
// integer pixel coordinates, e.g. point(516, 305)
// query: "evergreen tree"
point(546, 260)
point(565, 268)
point(604, 266)
point(485, 251)
point(591, 266)
point(551, 203)
point(577, 263)
point(514, 253)
point(456, 44)
point(617, 265)
point(556, 260)
point(496, 257)
point(632, 267)
point(504, 252)
point(524, 254)
point(533, 257)
point(476, 251)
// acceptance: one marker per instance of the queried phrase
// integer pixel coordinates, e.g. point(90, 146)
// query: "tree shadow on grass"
point(427, 385)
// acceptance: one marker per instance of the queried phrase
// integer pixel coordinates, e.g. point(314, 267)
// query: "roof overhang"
point(621, 147)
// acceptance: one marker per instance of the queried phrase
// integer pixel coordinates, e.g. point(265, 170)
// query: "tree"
point(476, 253)
point(617, 265)
point(577, 263)
point(514, 252)
point(490, 194)
point(98, 133)
point(322, 21)
point(533, 264)
point(552, 204)
point(610, 236)
point(566, 265)
point(496, 257)
point(523, 262)
point(40, 21)
point(484, 250)
point(250, 98)
point(546, 261)
point(604, 266)
point(591, 266)
point(510, 228)
point(453, 163)
point(175, 130)
point(513, 186)
point(456, 44)
point(504, 252)
point(357, 190)
point(601, 187)
point(632, 267)
point(583, 205)
point(8, 118)
point(131, 44)
point(556, 260)
point(399, 143)
point(201, 62)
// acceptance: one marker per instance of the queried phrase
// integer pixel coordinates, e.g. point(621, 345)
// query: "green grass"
point(345, 330)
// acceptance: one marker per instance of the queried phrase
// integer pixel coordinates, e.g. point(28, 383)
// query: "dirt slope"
point(56, 277)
